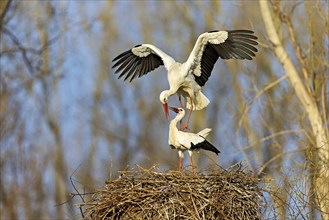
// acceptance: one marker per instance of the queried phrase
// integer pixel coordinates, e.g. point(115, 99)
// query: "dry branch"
point(309, 104)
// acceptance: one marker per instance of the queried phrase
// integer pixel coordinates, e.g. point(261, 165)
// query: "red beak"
point(174, 109)
point(165, 108)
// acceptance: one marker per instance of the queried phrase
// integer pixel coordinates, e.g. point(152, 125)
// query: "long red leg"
point(180, 164)
point(180, 101)
point(191, 163)
point(181, 106)
point(189, 114)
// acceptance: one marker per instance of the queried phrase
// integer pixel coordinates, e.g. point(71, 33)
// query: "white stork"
point(183, 141)
point(186, 79)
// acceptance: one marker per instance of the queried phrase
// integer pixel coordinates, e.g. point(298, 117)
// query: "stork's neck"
point(173, 130)
point(173, 126)
point(170, 92)
point(173, 123)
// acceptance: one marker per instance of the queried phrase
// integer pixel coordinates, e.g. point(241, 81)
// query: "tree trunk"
point(309, 104)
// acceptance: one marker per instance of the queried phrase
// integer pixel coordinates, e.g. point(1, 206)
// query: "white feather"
point(194, 60)
point(200, 101)
point(146, 49)
point(141, 51)
point(204, 133)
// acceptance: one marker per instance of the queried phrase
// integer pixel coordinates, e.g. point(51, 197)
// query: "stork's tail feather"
point(199, 98)
point(204, 133)
point(206, 146)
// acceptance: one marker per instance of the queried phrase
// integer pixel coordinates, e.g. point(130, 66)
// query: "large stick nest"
point(145, 194)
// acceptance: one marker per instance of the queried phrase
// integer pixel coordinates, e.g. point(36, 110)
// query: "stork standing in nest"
point(186, 79)
point(183, 141)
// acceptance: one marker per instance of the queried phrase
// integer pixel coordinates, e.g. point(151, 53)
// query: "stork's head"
point(164, 100)
point(179, 111)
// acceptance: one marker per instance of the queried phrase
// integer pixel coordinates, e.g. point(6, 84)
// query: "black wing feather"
point(121, 59)
point(139, 69)
point(206, 145)
point(242, 31)
point(130, 70)
point(121, 55)
point(239, 45)
point(246, 47)
point(127, 64)
point(130, 65)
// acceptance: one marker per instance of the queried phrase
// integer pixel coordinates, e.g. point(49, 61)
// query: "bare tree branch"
point(309, 105)
point(19, 45)
point(5, 5)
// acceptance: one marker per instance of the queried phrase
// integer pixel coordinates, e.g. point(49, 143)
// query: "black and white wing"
point(140, 60)
point(193, 141)
point(234, 44)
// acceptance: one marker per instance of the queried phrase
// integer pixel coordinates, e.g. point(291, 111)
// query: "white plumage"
point(186, 79)
point(183, 141)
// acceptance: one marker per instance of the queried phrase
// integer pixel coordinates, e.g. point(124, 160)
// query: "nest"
point(146, 194)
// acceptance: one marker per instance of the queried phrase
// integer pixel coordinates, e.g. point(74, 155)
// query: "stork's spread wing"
point(140, 60)
point(236, 44)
